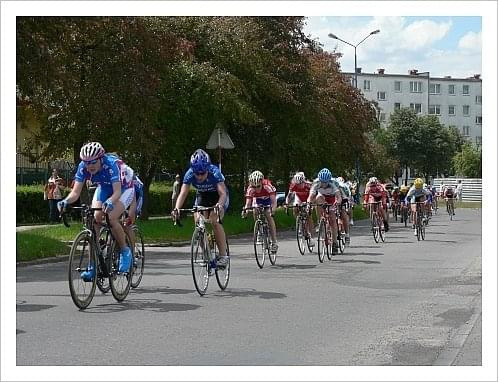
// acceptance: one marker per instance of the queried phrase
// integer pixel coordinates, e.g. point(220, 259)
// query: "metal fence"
point(28, 172)
point(471, 187)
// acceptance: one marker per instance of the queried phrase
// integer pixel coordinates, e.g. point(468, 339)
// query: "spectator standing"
point(459, 190)
point(53, 191)
point(176, 190)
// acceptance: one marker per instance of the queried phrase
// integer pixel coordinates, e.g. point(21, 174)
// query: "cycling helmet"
point(91, 151)
point(200, 161)
point(418, 183)
point(404, 188)
point(324, 175)
point(340, 179)
point(299, 177)
point(373, 180)
point(255, 178)
point(396, 188)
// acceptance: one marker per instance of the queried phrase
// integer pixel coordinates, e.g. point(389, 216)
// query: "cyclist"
point(299, 190)
point(261, 192)
point(135, 207)
point(449, 195)
point(375, 192)
point(114, 193)
point(209, 182)
point(345, 206)
point(416, 193)
point(403, 191)
point(325, 189)
point(395, 198)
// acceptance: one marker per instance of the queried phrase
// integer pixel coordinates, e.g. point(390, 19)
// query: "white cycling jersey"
point(326, 189)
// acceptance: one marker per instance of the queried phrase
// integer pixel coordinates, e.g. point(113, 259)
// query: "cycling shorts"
point(266, 202)
point(102, 194)
point(209, 199)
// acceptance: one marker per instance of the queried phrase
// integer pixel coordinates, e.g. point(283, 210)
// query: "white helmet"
point(255, 178)
point(373, 179)
point(91, 151)
point(299, 177)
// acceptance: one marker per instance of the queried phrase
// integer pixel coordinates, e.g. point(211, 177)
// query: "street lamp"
point(331, 35)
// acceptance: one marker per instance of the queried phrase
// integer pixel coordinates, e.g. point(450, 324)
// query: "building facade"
point(455, 101)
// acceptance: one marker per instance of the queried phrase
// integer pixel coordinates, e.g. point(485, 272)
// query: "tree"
point(468, 162)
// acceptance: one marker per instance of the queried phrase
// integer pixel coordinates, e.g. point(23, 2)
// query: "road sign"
point(219, 139)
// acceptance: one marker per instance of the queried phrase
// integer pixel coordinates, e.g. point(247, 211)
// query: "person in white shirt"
point(459, 190)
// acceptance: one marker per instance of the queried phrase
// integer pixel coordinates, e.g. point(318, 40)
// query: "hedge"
point(31, 208)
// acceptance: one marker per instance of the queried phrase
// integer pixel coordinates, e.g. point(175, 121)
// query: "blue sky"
point(442, 45)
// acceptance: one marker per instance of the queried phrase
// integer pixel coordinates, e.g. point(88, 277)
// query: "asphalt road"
point(402, 302)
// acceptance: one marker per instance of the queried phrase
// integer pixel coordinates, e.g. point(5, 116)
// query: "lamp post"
point(428, 86)
point(331, 35)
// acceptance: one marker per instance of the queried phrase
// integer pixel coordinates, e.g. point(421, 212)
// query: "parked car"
point(280, 198)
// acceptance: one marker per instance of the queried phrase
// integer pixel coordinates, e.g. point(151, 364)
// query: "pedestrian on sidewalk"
point(53, 192)
point(176, 191)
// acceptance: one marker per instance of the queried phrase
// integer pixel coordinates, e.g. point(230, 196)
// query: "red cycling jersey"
point(375, 193)
point(300, 190)
point(261, 193)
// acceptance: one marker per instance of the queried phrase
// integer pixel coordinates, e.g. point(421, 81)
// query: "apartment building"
point(455, 101)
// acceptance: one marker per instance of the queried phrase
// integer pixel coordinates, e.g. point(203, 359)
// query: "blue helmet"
point(324, 175)
point(200, 161)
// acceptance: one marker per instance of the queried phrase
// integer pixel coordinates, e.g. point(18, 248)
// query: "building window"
point(417, 107)
point(465, 90)
point(479, 120)
point(435, 109)
point(366, 85)
point(451, 89)
point(382, 117)
point(415, 87)
point(478, 141)
point(478, 100)
point(435, 88)
point(451, 110)
point(397, 86)
point(381, 96)
point(466, 110)
point(466, 131)
point(397, 106)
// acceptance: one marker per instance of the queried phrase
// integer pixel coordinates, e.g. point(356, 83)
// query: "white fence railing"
point(471, 188)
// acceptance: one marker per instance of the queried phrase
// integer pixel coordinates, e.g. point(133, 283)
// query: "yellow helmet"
point(404, 188)
point(418, 183)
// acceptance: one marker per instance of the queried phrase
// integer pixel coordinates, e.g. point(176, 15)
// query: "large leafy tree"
point(468, 162)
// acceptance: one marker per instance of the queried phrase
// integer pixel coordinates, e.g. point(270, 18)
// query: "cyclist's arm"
point(273, 198)
point(222, 192)
point(75, 192)
point(182, 196)
point(116, 192)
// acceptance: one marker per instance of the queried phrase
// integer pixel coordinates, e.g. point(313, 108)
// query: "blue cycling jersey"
point(210, 184)
point(139, 187)
point(112, 170)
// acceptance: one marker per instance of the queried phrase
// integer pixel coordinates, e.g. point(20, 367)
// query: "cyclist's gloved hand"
point(61, 206)
point(174, 213)
point(108, 206)
point(243, 214)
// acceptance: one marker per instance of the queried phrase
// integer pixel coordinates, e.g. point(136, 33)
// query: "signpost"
point(219, 139)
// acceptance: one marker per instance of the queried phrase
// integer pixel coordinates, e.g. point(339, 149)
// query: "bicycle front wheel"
point(103, 279)
point(120, 282)
point(382, 232)
point(223, 273)
point(301, 235)
point(341, 241)
point(260, 244)
point(322, 241)
point(82, 259)
point(138, 259)
point(375, 228)
point(200, 261)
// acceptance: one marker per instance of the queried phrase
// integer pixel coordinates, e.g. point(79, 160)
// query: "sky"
point(441, 45)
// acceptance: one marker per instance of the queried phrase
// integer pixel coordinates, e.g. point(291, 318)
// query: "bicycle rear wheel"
point(81, 258)
point(260, 242)
point(223, 273)
point(300, 235)
point(120, 282)
point(322, 241)
point(104, 242)
point(200, 261)
point(138, 259)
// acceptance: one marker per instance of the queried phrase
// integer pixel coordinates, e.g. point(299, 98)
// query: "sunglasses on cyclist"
point(87, 162)
point(200, 173)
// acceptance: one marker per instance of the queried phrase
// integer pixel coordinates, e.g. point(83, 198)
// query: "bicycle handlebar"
point(176, 220)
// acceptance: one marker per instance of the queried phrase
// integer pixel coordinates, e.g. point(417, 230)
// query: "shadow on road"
point(130, 304)
point(23, 307)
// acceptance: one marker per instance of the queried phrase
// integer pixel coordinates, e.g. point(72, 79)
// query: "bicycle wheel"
point(375, 229)
point(405, 216)
point(138, 259)
point(418, 223)
point(271, 254)
point(223, 273)
point(200, 261)
point(422, 231)
point(260, 242)
point(81, 258)
point(300, 235)
point(120, 282)
point(322, 241)
point(341, 240)
point(103, 278)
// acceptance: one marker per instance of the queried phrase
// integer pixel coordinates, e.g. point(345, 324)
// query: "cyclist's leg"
point(132, 213)
point(99, 196)
point(219, 232)
point(271, 226)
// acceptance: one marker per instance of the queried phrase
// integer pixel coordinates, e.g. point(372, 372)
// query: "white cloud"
point(422, 34)
point(471, 42)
